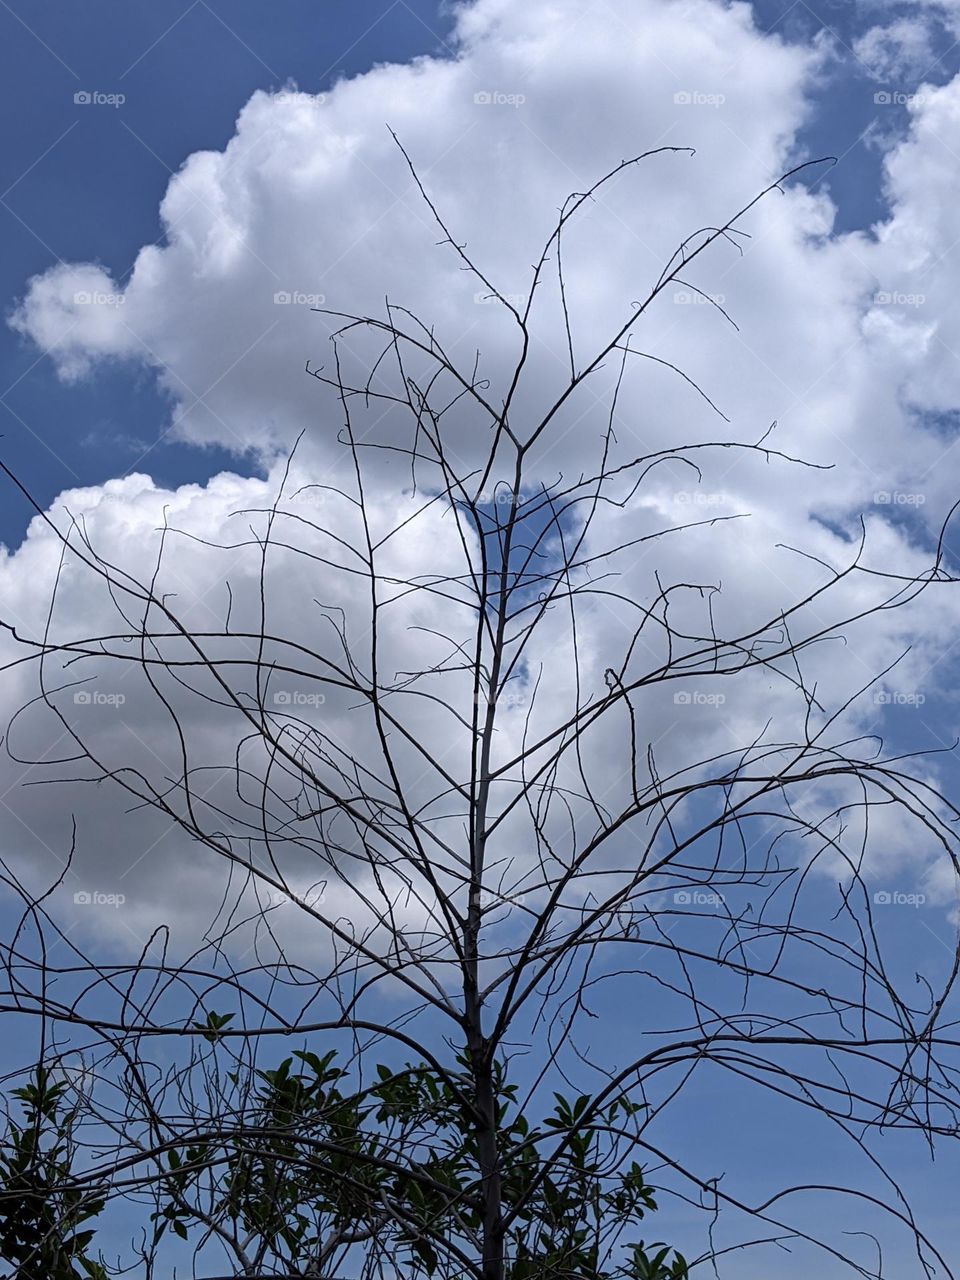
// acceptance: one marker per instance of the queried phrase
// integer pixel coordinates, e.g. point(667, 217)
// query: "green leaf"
point(214, 1024)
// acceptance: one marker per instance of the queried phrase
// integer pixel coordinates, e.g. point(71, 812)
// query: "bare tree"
point(458, 869)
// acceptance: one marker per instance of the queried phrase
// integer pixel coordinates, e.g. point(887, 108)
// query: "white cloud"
point(76, 313)
point(311, 199)
point(210, 578)
point(898, 52)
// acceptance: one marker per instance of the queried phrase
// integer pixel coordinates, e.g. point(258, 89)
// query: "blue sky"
point(87, 184)
point(849, 336)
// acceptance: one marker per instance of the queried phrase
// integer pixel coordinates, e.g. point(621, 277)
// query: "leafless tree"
point(463, 868)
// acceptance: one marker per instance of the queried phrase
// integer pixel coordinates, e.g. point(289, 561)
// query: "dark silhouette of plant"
point(312, 1170)
point(42, 1209)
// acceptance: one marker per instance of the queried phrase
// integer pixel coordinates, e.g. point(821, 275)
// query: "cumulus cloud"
point(312, 200)
point(116, 716)
point(75, 312)
point(311, 204)
point(899, 52)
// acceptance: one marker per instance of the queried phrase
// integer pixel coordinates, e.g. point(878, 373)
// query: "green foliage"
point(317, 1160)
point(297, 1164)
point(41, 1208)
point(309, 1164)
point(567, 1209)
point(213, 1026)
point(643, 1266)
